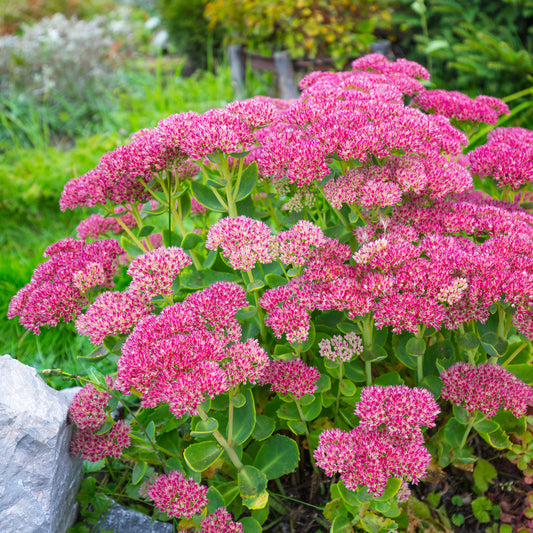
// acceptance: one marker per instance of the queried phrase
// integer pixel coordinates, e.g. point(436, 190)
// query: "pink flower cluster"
point(296, 244)
point(372, 186)
point(121, 175)
point(453, 104)
point(435, 264)
point(177, 496)
point(178, 357)
point(96, 225)
point(113, 313)
point(88, 412)
point(507, 157)
point(290, 377)
point(246, 363)
point(387, 443)
point(341, 348)
point(486, 388)
point(57, 288)
point(87, 409)
point(398, 410)
point(155, 271)
point(243, 240)
point(355, 115)
point(93, 446)
point(220, 522)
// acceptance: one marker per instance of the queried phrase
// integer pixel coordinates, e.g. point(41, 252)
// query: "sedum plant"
point(322, 285)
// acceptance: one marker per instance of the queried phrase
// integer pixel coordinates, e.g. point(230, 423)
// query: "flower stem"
point(223, 442)
point(515, 353)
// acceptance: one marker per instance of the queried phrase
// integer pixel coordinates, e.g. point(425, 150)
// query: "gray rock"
point(39, 480)
point(122, 520)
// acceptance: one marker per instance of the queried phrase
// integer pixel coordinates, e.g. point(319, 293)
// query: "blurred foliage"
point(15, 13)
point(474, 46)
point(308, 29)
point(188, 30)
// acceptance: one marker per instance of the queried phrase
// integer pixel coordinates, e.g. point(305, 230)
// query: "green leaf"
point(255, 286)
point(138, 472)
point(289, 411)
point(244, 419)
point(277, 456)
point(341, 524)
point(458, 519)
point(481, 508)
point(248, 181)
point(150, 430)
point(170, 238)
point(215, 500)
point(297, 427)
point(207, 197)
point(238, 400)
point(389, 378)
point(453, 432)
point(202, 455)
point(522, 372)
point(205, 428)
point(374, 353)
point(252, 484)
point(468, 341)
point(145, 231)
point(355, 370)
point(483, 473)
point(190, 240)
point(415, 347)
point(493, 345)
point(205, 278)
point(275, 280)
point(497, 439)
point(250, 525)
point(393, 486)
point(347, 387)
point(264, 427)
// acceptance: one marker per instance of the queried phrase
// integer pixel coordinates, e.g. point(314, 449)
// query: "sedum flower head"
point(93, 447)
point(486, 388)
point(297, 244)
point(290, 377)
point(341, 348)
point(368, 458)
point(220, 522)
point(177, 496)
point(154, 272)
point(113, 313)
point(398, 410)
point(243, 240)
point(87, 409)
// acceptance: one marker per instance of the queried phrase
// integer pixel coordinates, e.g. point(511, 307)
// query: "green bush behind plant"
point(189, 32)
point(473, 46)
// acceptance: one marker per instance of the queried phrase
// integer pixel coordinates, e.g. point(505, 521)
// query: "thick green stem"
point(467, 432)
point(420, 368)
point(337, 403)
point(260, 314)
point(368, 373)
point(515, 353)
point(132, 237)
point(223, 442)
point(310, 448)
point(230, 421)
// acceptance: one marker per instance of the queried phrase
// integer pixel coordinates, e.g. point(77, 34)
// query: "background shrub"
point(308, 29)
point(473, 46)
point(189, 32)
